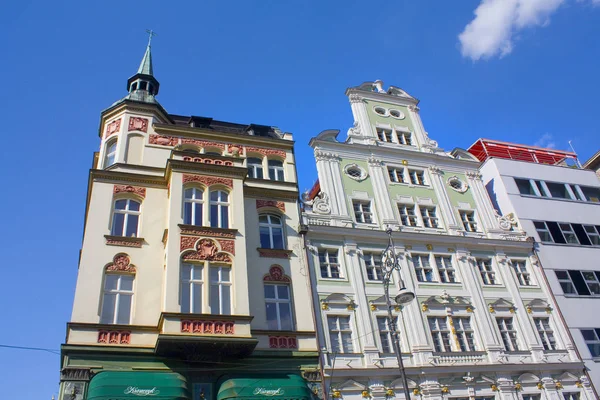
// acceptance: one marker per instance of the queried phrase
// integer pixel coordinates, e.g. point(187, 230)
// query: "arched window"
point(193, 202)
point(275, 170)
point(126, 215)
point(111, 152)
point(192, 283)
point(255, 169)
point(219, 209)
point(117, 299)
point(271, 232)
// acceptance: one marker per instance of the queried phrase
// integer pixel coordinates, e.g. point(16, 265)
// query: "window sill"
point(198, 230)
point(333, 279)
point(412, 185)
point(428, 283)
point(584, 296)
point(557, 199)
point(124, 241)
point(274, 253)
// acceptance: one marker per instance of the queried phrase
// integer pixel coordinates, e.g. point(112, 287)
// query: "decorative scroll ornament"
point(121, 263)
point(319, 204)
point(206, 249)
point(355, 130)
point(507, 222)
point(140, 191)
point(276, 274)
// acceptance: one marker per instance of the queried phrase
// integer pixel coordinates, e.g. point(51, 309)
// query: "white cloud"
point(497, 21)
point(546, 140)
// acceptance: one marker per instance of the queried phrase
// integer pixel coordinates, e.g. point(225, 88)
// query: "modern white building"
point(191, 281)
point(559, 206)
point(484, 323)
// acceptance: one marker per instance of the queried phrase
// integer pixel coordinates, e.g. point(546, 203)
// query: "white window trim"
point(365, 267)
point(276, 300)
point(557, 342)
point(220, 284)
point(279, 170)
point(390, 334)
point(126, 212)
point(255, 166)
point(118, 293)
point(192, 282)
point(434, 266)
point(219, 204)
point(528, 270)
point(518, 346)
point(194, 202)
point(270, 226)
point(475, 218)
point(371, 203)
point(337, 312)
point(110, 142)
point(494, 270)
point(420, 223)
point(340, 253)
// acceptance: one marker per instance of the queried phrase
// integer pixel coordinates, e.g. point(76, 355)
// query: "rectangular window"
point(543, 232)
point(117, 299)
point(279, 307)
point(464, 333)
point(385, 335)
point(407, 214)
point(558, 190)
point(565, 282)
point(340, 333)
point(468, 220)
point(396, 175)
point(191, 288)
point(430, 219)
point(592, 234)
point(385, 135)
point(571, 395)
point(220, 290)
point(525, 187)
point(523, 275)
point(362, 211)
point(373, 266)
point(531, 396)
point(417, 177)
point(508, 333)
point(591, 280)
point(592, 339)
point(445, 269)
point(423, 268)
point(488, 276)
point(404, 138)
point(329, 264)
point(440, 333)
point(591, 193)
point(545, 333)
point(568, 233)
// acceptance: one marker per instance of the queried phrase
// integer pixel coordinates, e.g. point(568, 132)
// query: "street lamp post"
point(389, 262)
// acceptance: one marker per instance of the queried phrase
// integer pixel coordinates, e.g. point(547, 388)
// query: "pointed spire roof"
point(146, 64)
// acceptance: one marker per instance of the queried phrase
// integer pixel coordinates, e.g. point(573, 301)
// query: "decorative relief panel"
point(205, 231)
point(125, 242)
point(270, 203)
point(138, 124)
point(276, 274)
point(140, 191)
point(208, 327)
point(113, 127)
point(207, 180)
point(235, 150)
point(164, 140)
point(265, 152)
point(114, 337)
point(188, 242)
point(206, 249)
point(121, 263)
point(283, 342)
point(274, 253)
point(207, 161)
point(203, 143)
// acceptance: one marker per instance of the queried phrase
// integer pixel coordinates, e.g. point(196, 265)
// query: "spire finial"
point(150, 33)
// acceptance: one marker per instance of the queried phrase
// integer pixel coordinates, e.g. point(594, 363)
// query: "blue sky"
point(523, 70)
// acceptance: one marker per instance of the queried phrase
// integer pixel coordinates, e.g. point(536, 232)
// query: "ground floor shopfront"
point(111, 374)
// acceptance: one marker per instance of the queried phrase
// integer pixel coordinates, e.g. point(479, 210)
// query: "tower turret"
point(143, 86)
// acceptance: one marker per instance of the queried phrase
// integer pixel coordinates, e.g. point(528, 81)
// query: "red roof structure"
point(486, 148)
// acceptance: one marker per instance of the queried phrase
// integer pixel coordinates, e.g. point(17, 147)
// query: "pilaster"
point(359, 111)
point(488, 219)
point(382, 198)
point(437, 181)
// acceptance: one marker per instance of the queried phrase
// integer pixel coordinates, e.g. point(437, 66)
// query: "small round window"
point(380, 111)
point(355, 172)
point(397, 114)
point(457, 184)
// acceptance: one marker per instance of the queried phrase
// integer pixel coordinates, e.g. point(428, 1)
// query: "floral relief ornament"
point(121, 263)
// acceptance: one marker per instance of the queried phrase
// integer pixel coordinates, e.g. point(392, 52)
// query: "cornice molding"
point(205, 169)
point(276, 194)
point(116, 177)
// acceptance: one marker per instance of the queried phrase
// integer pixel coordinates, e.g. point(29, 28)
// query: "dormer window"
point(385, 135)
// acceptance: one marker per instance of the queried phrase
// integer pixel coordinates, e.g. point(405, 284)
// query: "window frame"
point(410, 217)
point(508, 336)
point(464, 336)
point(394, 173)
point(362, 213)
point(445, 269)
point(419, 175)
point(277, 170)
point(385, 335)
point(484, 273)
point(570, 233)
point(118, 293)
point(277, 302)
point(219, 204)
point(372, 267)
point(192, 281)
point(545, 230)
point(340, 332)
point(110, 155)
point(220, 284)
point(545, 334)
point(592, 342)
point(426, 211)
point(127, 213)
point(328, 264)
point(194, 204)
point(470, 225)
point(255, 168)
point(442, 338)
point(523, 275)
point(270, 226)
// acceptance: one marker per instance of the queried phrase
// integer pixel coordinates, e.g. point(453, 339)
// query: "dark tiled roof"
point(227, 127)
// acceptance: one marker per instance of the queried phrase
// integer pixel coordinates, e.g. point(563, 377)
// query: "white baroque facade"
point(483, 325)
point(559, 207)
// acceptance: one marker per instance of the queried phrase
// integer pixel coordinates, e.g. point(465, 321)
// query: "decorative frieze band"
point(208, 161)
point(138, 124)
point(203, 143)
point(270, 203)
point(113, 127)
point(121, 263)
point(189, 242)
point(208, 180)
point(208, 327)
point(265, 151)
point(123, 241)
point(114, 337)
point(140, 191)
point(206, 231)
point(283, 342)
point(163, 140)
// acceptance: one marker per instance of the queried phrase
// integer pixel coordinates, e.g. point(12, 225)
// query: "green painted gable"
point(374, 117)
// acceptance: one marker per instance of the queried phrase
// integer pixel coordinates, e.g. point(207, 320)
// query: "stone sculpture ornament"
point(507, 222)
point(319, 204)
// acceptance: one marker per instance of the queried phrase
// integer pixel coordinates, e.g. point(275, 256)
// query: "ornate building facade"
point(483, 324)
point(191, 282)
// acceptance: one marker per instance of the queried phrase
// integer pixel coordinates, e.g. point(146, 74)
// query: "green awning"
point(133, 385)
point(280, 387)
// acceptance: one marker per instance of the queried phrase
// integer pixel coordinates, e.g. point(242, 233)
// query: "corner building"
point(191, 282)
point(483, 324)
point(559, 207)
